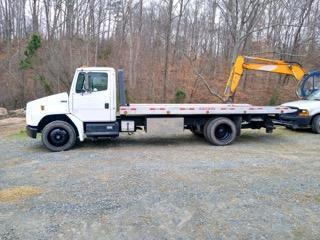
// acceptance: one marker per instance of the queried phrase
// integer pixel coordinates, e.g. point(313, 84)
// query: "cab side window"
point(312, 84)
point(98, 81)
point(80, 82)
point(316, 82)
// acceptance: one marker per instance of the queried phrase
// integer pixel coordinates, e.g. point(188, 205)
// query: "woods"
point(168, 48)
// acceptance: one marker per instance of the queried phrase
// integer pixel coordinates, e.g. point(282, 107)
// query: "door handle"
point(106, 105)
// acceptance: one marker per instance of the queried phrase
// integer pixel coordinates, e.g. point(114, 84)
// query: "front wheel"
point(316, 124)
point(58, 136)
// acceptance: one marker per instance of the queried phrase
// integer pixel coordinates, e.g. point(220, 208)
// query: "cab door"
point(92, 97)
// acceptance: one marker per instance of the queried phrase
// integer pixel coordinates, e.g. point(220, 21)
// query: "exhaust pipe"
point(122, 88)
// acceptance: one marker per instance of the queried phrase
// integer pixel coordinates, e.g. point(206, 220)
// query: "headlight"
point(303, 113)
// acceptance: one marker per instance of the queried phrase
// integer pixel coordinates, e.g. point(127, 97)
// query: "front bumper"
point(32, 131)
point(294, 121)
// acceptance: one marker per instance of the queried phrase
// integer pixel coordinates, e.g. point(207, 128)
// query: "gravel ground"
point(146, 187)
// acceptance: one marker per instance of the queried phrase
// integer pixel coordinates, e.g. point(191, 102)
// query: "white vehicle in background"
point(90, 111)
point(307, 116)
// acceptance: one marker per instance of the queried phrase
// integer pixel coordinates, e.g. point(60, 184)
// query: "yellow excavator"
point(306, 81)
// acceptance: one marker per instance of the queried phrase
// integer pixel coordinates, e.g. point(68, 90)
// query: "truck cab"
point(91, 100)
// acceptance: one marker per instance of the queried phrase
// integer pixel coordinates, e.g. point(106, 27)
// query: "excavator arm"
point(259, 64)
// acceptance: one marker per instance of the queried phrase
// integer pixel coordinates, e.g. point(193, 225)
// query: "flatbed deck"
point(201, 109)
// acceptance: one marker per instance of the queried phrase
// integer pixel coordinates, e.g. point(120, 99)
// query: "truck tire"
point(58, 136)
point(205, 128)
point(316, 124)
point(221, 131)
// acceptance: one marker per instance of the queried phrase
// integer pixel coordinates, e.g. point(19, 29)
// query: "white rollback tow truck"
point(90, 111)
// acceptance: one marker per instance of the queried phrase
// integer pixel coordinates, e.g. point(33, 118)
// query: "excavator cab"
point(309, 84)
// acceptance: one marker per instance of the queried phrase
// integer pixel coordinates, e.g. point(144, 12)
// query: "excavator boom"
point(259, 64)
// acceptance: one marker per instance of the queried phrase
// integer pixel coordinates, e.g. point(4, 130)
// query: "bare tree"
point(167, 47)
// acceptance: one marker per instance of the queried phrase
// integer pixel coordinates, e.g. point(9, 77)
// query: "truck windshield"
point(314, 96)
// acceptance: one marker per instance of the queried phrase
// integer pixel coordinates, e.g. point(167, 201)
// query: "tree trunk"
point(167, 49)
point(35, 20)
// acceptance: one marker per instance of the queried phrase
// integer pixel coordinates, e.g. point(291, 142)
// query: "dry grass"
point(18, 193)
point(12, 126)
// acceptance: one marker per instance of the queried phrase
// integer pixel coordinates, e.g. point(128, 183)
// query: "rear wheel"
point(58, 136)
point(316, 124)
point(205, 128)
point(220, 131)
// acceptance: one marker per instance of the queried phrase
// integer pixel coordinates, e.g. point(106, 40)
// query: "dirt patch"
point(18, 193)
point(9, 126)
